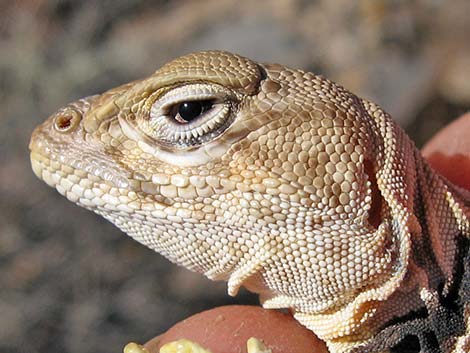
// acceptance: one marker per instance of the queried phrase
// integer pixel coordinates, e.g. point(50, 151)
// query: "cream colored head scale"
point(252, 173)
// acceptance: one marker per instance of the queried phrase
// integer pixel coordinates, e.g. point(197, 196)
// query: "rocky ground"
point(71, 282)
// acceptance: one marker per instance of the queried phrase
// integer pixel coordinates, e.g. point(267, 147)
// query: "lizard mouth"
point(76, 183)
point(92, 184)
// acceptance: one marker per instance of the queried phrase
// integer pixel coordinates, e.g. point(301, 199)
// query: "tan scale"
point(281, 181)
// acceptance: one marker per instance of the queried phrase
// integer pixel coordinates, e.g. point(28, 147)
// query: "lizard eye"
point(186, 112)
point(190, 115)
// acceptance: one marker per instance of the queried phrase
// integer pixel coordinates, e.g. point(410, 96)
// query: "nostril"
point(63, 122)
point(66, 121)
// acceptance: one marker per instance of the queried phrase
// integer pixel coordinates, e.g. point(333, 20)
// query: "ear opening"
point(375, 210)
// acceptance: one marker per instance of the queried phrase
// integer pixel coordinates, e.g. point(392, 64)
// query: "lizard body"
point(283, 182)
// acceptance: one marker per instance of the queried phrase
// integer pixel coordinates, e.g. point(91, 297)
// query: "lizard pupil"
point(190, 110)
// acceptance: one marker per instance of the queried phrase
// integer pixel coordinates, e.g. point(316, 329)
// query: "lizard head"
point(245, 172)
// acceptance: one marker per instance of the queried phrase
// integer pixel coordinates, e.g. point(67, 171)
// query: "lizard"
point(281, 181)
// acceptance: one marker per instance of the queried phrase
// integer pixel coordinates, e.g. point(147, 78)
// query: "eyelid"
point(162, 126)
point(166, 107)
point(187, 93)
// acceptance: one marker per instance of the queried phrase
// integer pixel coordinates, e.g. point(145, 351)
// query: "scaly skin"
point(285, 183)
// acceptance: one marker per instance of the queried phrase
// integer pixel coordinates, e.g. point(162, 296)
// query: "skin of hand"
point(449, 152)
point(226, 329)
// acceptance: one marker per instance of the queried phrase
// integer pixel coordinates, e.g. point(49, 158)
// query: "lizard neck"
point(435, 288)
point(429, 304)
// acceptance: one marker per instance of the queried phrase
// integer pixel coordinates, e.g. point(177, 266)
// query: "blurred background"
point(71, 282)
